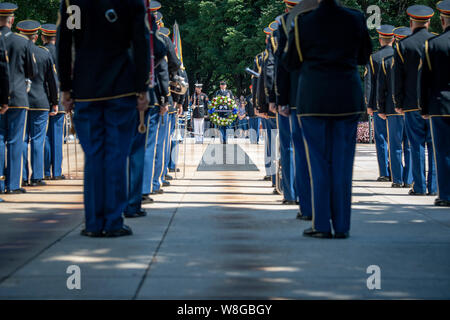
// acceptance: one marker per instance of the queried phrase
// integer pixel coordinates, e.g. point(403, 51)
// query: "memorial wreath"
point(223, 111)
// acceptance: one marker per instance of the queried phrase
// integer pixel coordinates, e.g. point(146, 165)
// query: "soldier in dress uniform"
point(257, 99)
point(254, 121)
point(286, 91)
point(398, 143)
point(167, 68)
point(266, 71)
point(136, 162)
point(22, 66)
point(53, 153)
point(223, 91)
point(407, 58)
point(108, 85)
point(177, 110)
point(160, 97)
point(386, 39)
point(435, 100)
point(328, 58)
point(43, 98)
point(4, 93)
point(199, 102)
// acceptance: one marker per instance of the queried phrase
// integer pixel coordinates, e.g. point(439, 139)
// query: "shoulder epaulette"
point(21, 35)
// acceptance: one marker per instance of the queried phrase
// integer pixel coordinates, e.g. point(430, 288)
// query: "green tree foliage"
point(221, 37)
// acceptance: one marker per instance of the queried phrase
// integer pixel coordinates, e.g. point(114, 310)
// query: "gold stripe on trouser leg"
point(164, 158)
point(154, 155)
point(146, 134)
point(311, 181)
point(389, 149)
point(43, 162)
point(434, 155)
point(21, 155)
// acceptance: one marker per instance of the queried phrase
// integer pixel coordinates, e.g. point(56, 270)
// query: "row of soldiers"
point(31, 121)
point(407, 93)
point(108, 80)
point(309, 88)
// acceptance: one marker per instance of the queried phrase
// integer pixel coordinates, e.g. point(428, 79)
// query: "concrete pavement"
point(224, 235)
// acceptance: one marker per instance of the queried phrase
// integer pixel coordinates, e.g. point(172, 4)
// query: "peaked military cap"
point(198, 85)
point(386, 31)
point(7, 9)
point(274, 26)
point(444, 8)
point(291, 3)
point(164, 31)
point(420, 13)
point(267, 30)
point(402, 32)
point(49, 30)
point(223, 82)
point(158, 17)
point(28, 27)
point(155, 5)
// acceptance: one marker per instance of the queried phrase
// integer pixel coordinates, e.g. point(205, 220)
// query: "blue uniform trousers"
point(381, 145)
point(302, 180)
point(136, 170)
point(270, 126)
point(254, 124)
point(53, 156)
point(330, 144)
point(153, 124)
point(168, 142)
point(160, 152)
point(35, 134)
point(174, 146)
point(440, 127)
point(225, 131)
point(419, 136)
point(12, 132)
point(286, 158)
point(399, 148)
point(105, 130)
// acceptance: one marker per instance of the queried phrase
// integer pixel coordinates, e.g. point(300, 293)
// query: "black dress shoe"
point(413, 193)
point(139, 214)
point(383, 179)
point(168, 178)
point(61, 177)
point(25, 183)
point(17, 191)
point(267, 178)
point(174, 170)
point(160, 191)
point(289, 202)
point(396, 185)
point(166, 184)
point(146, 199)
point(431, 194)
point(275, 191)
point(302, 217)
point(91, 234)
point(405, 185)
point(37, 183)
point(341, 235)
point(317, 234)
point(441, 203)
point(124, 231)
point(47, 178)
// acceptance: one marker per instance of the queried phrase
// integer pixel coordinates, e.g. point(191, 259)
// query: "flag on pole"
point(176, 38)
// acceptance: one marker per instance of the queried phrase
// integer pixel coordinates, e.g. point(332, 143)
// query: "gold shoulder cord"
point(427, 54)
point(297, 40)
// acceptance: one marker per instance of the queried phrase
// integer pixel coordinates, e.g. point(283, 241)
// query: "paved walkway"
point(223, 235)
